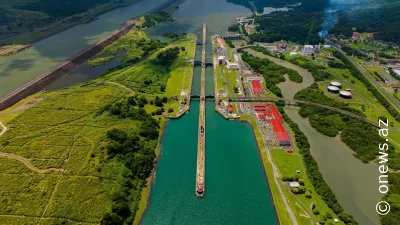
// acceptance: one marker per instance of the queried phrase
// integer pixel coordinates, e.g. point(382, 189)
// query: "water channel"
point(237, 191)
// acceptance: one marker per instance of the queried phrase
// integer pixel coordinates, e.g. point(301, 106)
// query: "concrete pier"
point(200, 171)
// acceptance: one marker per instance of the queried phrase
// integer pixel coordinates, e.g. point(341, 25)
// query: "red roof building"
point(230, 109)
point(247, 72)
point(289, 150)
point(222, 42)
point(282, 44)
point(260, 116)
point(268, 114)
point(256, 87)
point(281, 133)
point(356, 35)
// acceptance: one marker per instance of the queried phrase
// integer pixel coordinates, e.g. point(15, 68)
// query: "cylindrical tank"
point(333, 89)
point(336, 84)
point(345, 94)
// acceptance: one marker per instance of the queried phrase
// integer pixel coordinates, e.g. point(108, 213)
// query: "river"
point(354, 183)
point(24, 66)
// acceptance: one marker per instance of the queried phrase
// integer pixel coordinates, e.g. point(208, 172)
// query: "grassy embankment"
point(149, 79)
point(64, 129)
point(287, 165)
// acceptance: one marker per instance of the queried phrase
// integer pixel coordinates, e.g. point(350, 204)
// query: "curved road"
point(24, 160)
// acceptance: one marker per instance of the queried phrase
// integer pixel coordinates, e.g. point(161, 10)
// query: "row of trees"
point(313, 173)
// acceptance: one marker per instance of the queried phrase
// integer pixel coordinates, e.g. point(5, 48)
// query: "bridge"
point(206, 97)
point(247, 46)
point(199, 63)
point(234, 37)
point(299, 102)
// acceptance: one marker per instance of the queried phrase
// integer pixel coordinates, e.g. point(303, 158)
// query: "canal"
point(353, 182)
point(237, 189)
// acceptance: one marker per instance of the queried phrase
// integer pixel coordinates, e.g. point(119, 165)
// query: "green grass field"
point(62, 130)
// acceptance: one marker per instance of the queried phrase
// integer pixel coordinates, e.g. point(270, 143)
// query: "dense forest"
point(272, 73)
point(152, 19)
point(383, 21)
point(355, 133)
point(136, 152)
point(301, 24)
point(392, 198)
point(314, 174)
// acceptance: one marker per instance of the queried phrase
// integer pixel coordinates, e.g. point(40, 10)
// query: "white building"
point(294, 184)
point(308, 50)
point(232, 65)
point(397, 72)
point(221, 60)
point(327, 46)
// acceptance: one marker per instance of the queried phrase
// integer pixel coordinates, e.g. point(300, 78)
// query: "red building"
point(230, 109)
point(356, 35)
point(281, 133)
point(256, 87)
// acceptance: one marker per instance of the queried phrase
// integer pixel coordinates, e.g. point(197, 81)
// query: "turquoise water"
point(236, 188)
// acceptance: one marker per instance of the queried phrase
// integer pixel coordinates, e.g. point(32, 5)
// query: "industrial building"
point(336, 84)
point(345, 94)
point(221, 60)
point(333, 89)
point(232, 65)
point(222, 42)
point(256, 87)
point(308, 50)
point(247, 72)
point(271, 115)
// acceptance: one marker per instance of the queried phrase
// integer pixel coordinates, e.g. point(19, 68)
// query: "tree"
point(111, 219)
point(170, 110)
point(308, 194)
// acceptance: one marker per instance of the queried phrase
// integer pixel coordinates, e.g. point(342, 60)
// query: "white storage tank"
point(333, 89)
point(345, 94)
point(336, 84)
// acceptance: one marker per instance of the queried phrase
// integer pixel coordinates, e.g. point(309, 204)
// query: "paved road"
point(276, 175)
point(377, 85)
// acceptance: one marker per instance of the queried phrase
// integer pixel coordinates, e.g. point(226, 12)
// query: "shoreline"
point(43, 80)
point(139, 216)
point(83, 20)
